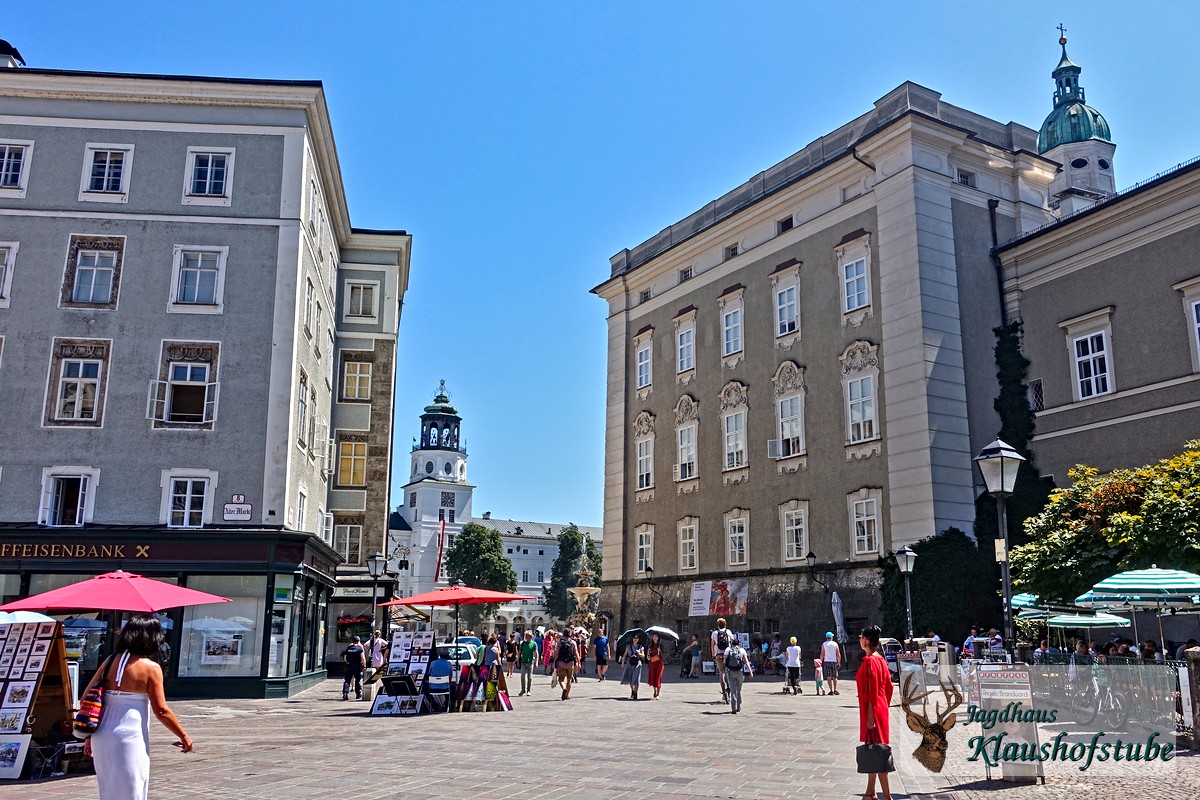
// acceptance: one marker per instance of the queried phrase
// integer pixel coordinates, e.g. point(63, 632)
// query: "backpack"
point(735, 659)
point(722, 639)
point(565, 651)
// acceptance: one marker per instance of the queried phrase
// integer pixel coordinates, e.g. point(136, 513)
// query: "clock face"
point(428, 467)
point(448, 469)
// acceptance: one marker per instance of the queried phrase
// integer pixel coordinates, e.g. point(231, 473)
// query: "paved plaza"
point(597, 745)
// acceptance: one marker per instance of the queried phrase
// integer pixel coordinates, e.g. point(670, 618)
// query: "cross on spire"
point(1062, 34)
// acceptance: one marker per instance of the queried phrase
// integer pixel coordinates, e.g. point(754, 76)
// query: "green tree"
point(1103, 524)
point(955, 587)
point(477, 559)
point(562, 574)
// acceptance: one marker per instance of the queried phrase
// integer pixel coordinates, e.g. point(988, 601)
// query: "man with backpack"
point(564, 664)
point(721, 638)
point(737, 669)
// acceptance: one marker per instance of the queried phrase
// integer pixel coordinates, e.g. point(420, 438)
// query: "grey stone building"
point(196, 359)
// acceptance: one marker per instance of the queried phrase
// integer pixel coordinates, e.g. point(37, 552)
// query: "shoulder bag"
point(874, 756)
point(91, 705)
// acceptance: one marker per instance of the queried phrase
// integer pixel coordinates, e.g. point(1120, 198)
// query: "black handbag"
point(875, 758)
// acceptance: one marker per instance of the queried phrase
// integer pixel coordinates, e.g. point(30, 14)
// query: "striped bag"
point(91, 706)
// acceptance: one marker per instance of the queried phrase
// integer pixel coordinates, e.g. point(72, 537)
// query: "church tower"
point(1078, 137)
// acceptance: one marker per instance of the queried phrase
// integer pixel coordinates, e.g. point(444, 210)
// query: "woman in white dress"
point(133, 687)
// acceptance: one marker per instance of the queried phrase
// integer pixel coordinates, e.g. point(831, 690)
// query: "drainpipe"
point(993, 204)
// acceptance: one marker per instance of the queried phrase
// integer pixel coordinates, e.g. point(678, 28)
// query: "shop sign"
point(237, 509)
point(73, 551)
point(353, 592)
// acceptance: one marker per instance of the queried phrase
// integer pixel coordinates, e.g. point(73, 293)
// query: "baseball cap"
point(828, 635)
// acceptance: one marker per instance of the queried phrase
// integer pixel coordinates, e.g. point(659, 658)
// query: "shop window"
point(224, 640)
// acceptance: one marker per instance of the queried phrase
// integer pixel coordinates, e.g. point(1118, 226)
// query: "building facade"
point(181, 300)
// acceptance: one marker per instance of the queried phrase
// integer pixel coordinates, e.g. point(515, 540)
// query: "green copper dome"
point(1072, 120)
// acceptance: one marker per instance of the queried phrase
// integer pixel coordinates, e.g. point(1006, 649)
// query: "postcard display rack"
point(34, 692)
point(409, 656)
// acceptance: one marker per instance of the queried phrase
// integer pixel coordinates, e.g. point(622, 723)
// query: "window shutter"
point(83, 491)
point(327, 466)
point(47, 500)
point(775, 448)
point(327, 528)
point(211, 393)
point(156, 401)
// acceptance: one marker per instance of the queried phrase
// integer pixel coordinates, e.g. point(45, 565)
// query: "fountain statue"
point(583, 593)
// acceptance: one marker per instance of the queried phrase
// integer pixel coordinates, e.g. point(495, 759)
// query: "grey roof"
point(534, 530)
point(397, 522)
point(908, 98)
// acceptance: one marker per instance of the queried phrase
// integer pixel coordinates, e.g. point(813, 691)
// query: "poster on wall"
point(729, 597)
point(222, 650)
point(701, 591)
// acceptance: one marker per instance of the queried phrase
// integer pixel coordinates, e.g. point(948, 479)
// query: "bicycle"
point(1096, 699)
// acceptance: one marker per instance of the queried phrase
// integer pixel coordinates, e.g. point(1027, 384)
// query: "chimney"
point(487, 515)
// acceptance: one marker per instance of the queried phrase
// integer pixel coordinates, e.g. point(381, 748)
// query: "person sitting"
point(439, 675)
point(1179, 651)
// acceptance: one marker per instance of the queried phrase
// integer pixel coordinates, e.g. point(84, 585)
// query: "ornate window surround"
point(784, 508)
point(789, 381)
point(861, 359)
point(685, 320)
point(687, 413)
point(731, 516)
point(856, 246)
point(643, 431)
point(694, 524)
point(643, 340)
point(732, 299)
point(786, 275)
point(866, 493)
point(102, 243)
point(735, 397)
point(64, 348)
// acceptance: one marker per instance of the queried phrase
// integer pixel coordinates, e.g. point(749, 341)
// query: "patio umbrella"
point(1100, 620)
point(213, 624)
point(115, 591)
point(84, 622)
point(1146, 589)
point(456, 596)
point(19, 617)
point(838, 619)
point(1023, 599)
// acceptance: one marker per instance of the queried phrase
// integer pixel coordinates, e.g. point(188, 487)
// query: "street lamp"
point(811, 558)
point(999, 463)
point(650, 577)
point(376, 565)
point(906, 557)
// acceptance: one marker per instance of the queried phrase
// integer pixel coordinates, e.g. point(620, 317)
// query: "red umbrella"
point(457, 596)
point(115, 591)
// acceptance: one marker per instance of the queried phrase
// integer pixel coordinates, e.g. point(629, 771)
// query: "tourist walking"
point(831, 657)
point(635, 654)
point(491, 659)
point(719, 641)
point(548, 650)
point(819, 675)
point(793, 668)
point(690, 668)
point(510, 654)
point(654, 657)
point(355, 659)
point(874, 682)
point(775, 654)
point(600, 648)
point(528, 656)
point(133, 687)
point(377, 650)
point(565, 661)
point(737, 669)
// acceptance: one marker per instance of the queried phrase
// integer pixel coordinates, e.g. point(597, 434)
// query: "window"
point(736, 537)
point(14, 168)
point(8, 258)
point(186, 392)
point(686, 467)
point(106, 173)
point(93, 277)
point(687, 544)
point(865, 519)
point(347, 541)
point(524, 576)
point(209, 178)
point(731, 324)
point(360, 301)
point(199, 279)
point(188, 500)
point(645, 548)
point(860, 409)
point(791, 426)
point(786, 315)
point(794, 546)
point(541, 576)
point(78, 389)
point(314, 432)
point(356, 383)
point(301, 509)
point(643, 367)
point(965, 178)
point(302, 409)
point(1035, 395)
point(735, 440)
point(784, 225)
point(67, 496)
point(309, 295)
point(685, 345)
point(731, 251)
point(352, 463)
point(685, 274)
point(645, 464)
point(317, 329)
point(644, 296)
point(854, 281)
point(1091, 365)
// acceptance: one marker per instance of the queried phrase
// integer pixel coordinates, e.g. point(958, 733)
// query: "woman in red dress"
point(655, 656)
point(874, 681)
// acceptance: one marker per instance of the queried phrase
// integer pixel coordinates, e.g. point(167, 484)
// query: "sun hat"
point(828, 635)
point(793, 640)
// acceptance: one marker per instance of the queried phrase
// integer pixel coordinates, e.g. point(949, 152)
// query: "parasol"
point(838, 619)
point(457, 596)
point(663, 633)
point(115, 591)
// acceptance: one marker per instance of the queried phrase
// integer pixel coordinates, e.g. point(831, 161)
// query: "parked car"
point(471, 640)
point(460, 655)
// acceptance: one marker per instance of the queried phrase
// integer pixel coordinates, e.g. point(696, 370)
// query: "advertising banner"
point(701, 591)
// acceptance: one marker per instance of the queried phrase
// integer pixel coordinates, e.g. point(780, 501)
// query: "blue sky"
point(522, 144)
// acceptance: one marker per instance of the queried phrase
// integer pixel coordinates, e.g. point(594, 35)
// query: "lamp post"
point(811, 558)
point(376, 564)
point(906, 557)
point(999, 463)
point(650, 577)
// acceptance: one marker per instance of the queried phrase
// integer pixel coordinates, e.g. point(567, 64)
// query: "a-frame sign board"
point(35, 694)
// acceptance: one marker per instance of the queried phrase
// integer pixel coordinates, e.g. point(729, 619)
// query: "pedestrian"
point(819, 675)
point(548, 650)
point(654, 656)
point(133, 687)
point(510, 654)
point(831, 655)
point(491, 659)
point(565, 661)
point(635, 654)
point(378, 649)
point(737, 669)
point(968, 647)
point(355, 659)
point(581, 648)
point(600, 648)
point(529, 655)
point(776, 654)
point(719, 643)
point(874, 682)
point(793, 667)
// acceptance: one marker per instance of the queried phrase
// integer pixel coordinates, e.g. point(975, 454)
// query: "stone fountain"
point(583, 592)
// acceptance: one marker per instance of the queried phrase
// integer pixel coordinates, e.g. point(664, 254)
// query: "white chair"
point(438, 688)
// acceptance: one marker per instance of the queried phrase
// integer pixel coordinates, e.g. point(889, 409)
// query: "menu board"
point(25, 649)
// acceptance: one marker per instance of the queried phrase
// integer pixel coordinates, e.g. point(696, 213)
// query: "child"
point(819, 674)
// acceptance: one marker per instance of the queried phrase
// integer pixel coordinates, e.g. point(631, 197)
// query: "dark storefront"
point(268, 642)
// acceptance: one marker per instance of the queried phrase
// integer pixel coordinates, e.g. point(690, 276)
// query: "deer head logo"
point(932, 750)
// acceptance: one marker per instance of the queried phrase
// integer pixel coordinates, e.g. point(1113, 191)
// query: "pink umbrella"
point(115, 591)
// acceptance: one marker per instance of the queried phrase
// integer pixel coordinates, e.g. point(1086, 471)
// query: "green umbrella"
point(1100, 620)
point(1144, 588)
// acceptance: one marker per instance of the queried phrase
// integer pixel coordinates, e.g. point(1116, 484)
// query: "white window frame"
point(731, 331)
point(301, 411)
point(1086, 328)
point(689, 544)
point(685, 362)
point(224, 199)
point(733, 429)
point(787, 321)
point(112, 278)
point(858, 403)
point(645, 463)
point(167, 483)
point(349, 532)
point(86, 194)
point(361, 319)
point(866, 527)
point(644, 366)
point(301, 507)
point(174, 305)
point(8, 263)
point(80, 381)
point(16, 192)
point(644, 551)
point(1093, 368)
point(85, 509)
point(860, 362)
point(793, 518)
point(310, 295)
point(161, 397)
point(685, 467)
point(856, 297)
point(737, 527)
point(171, 383)
point(1190, 291)
point(359, 379)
